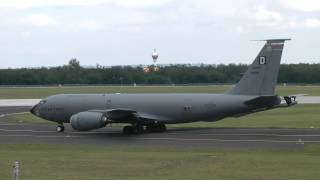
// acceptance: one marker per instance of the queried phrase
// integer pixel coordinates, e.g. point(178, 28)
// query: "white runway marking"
point(195, 133)
point(308, 100)
point(8, 124)
point(25, 130)
point(225, 140)
point(248, 134)
point(12, 114)
point(37, 131)
point(35, 136)
point(214, 139)
point(298, 142)
point(249, 129)
point(18, 102)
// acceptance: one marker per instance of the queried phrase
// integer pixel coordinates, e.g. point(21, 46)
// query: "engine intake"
point(85, 121)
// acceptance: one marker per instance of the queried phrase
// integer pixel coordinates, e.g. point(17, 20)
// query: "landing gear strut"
point(60, 128)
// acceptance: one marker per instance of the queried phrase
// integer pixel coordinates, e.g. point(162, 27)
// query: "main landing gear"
point(60, 128)
point(158, 128)
point(140, 129)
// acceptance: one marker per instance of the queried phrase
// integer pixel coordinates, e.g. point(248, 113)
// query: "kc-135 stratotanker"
point(255, 92)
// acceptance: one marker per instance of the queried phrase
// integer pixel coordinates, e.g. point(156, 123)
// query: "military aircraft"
point(151, 112)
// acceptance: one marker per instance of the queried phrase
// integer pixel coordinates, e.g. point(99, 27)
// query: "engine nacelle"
point(85, 121)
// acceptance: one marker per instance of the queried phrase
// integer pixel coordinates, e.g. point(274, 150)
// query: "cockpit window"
point(42, 101)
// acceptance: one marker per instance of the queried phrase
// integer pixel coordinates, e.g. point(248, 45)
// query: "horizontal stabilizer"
point(273, 40)
point(264, 101)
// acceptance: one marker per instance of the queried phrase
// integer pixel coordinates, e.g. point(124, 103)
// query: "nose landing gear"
point(60, 128)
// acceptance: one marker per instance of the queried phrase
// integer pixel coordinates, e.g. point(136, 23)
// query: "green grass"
point(41, 92)
point(299, 116)
point(27, 118)
point(291, 90)
point(79, 162)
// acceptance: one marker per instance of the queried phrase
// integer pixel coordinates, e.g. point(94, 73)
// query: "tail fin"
point(261, 77)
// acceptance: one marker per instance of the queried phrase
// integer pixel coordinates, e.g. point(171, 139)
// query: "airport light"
point(16, 170)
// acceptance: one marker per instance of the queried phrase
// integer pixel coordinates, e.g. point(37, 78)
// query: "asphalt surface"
point(12, 110)
point(14, 132)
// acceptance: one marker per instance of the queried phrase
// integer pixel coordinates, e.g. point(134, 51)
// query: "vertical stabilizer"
point(261, 76)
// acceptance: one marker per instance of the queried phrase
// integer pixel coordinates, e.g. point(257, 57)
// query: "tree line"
point(74, 73)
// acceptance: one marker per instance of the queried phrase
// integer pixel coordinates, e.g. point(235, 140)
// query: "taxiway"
point(229, 138)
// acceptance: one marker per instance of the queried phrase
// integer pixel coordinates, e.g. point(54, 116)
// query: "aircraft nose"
point(34, 110)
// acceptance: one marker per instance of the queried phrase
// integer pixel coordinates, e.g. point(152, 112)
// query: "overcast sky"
point(124, 32)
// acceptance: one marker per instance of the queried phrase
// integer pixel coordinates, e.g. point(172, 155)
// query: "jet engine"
point(85, 121)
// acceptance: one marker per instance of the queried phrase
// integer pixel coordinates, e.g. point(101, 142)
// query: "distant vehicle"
point(151, 112)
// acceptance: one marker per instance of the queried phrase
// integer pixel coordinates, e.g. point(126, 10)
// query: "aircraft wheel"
point(156, 128)
point(133, 130)
point(150, 129)
point(60, 128)
point(162, 128)
point(139, 129)
point(128, 130)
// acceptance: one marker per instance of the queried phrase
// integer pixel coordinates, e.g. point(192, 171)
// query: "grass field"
point(78, 162)
point(299, 116)
point(40, 92)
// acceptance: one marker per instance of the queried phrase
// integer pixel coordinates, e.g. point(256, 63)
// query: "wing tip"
point(274, 40)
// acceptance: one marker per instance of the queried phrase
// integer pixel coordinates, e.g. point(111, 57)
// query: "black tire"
point(139, 129)
point(60, 128)
point(150, 129)
point(156, 128)
point(161, 128)
point(128, 130)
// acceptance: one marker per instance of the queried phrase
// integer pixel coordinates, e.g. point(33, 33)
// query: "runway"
point(13, 109)
point(215, 138)
point(224, 138)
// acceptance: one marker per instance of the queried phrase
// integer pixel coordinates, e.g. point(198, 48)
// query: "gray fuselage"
point(168, 108)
